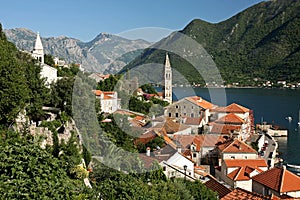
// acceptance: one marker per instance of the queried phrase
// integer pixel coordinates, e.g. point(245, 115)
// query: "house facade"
point(108, 101)
point(194, 107)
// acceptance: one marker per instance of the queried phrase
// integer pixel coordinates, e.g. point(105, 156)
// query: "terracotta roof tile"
point(172, 126)
point(147, 160)
point(279, 179)
point(215, 186)
point(233, 108)
point(254, 163)
point(200, 102)
point(98, 92)
point(241, 194)
point(207, 140)
point(235, 146)
point(243, 173)
point(230, 119)
point(193, 121)
point(224, 128)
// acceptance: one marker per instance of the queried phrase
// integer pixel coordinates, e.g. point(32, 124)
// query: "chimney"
point(148, 151)
point(179, 148)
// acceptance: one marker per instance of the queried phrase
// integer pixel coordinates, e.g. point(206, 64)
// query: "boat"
point(289, 118)
point(293, 167)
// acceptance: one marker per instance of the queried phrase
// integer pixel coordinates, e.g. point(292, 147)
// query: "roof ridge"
point(282, 179)
point(239, 171)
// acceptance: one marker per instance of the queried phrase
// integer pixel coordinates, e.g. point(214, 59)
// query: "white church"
point(48, 72)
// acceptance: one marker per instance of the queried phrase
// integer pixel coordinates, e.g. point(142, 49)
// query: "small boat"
point(289, 118)
point(294, 167)
point(299, 119)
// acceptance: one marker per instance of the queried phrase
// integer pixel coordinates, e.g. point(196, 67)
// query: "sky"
point(85, 19)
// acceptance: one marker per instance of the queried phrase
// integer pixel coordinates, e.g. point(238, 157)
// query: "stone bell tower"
point(38, 50)
point(167, 81)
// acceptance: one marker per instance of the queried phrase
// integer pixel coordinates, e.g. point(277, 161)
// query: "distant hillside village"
point(200, 140)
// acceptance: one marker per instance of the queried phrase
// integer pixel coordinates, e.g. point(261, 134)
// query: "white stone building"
point(109, 101)
point(47, 72)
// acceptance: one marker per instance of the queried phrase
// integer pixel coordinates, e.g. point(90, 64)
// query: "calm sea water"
point(270, 105)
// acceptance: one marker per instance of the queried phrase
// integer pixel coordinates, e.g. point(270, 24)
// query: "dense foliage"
point(258, 44)
point(29, 172)
point(21, 84)
point(113, 184)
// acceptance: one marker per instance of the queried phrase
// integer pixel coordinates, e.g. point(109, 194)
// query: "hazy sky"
point(84, 19)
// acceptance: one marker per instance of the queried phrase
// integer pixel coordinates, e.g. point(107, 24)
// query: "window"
point(232, 157)
point(177, 106)
point(192, 115)
point(194, 155)
point(170, 114)
point(164, 168)
point(177, 115)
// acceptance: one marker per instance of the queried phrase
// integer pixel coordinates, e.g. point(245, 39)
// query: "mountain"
point(260, 43)
point(106, 52)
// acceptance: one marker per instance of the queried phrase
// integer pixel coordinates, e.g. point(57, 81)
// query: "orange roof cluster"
point(230, 119)
point(235, 146)
point(224, 128)
point(233, 108)
point(198, 140)
point(279, 179)
point(200, 102)
point(241, 194)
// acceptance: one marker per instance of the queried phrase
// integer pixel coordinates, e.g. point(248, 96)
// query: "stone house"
point(109, 101)
point(194, 107)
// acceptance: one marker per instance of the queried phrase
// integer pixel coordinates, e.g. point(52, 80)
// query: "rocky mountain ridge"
point(106, 52)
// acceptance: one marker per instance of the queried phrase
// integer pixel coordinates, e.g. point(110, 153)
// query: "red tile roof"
point(233, 108)
point(235, 146)
point(148, 161)
point(193, 120)
point(145, 138)
point(230, 119)
point(207, 140)
point(98, 92)
point(243, 173)
point(200, 102)
point(279, 179)
point(217, 187)
point(254, 163)
point(241, 194)
point(172, 126)
point(224, 128)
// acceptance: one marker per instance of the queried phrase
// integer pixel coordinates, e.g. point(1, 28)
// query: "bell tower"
point(38, 50)
point(167, 81)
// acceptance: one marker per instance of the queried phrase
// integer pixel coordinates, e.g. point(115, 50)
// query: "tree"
point(29, 172)
point(48, 59)
point(39, 94)
point(13, 93)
